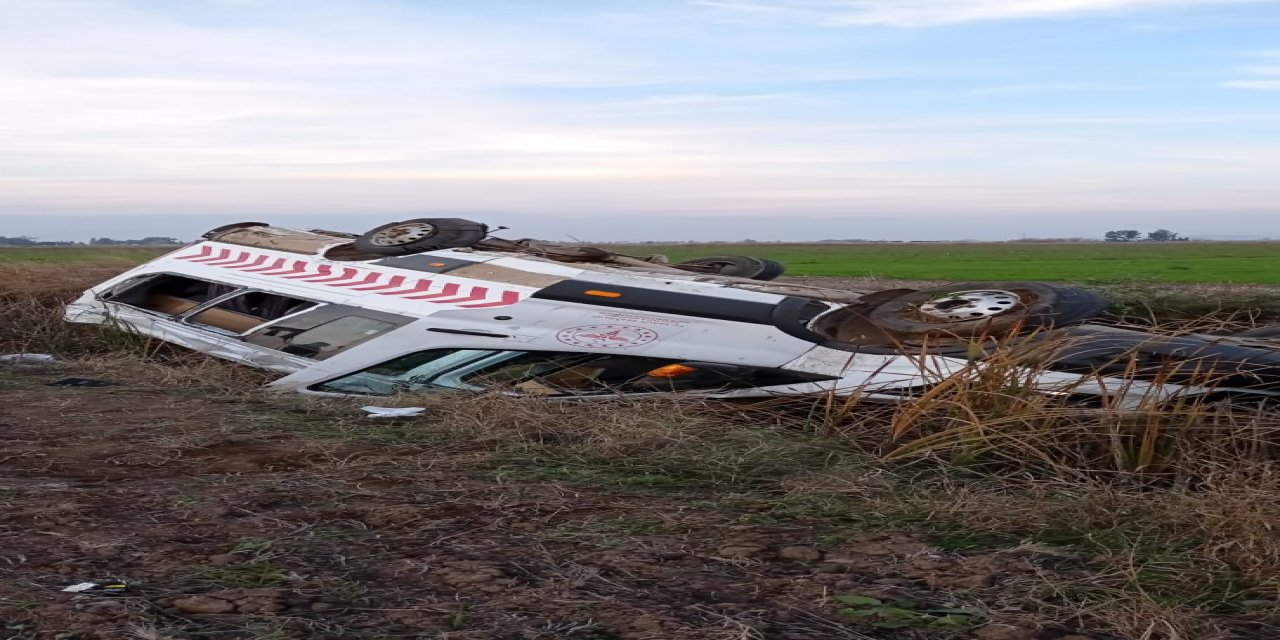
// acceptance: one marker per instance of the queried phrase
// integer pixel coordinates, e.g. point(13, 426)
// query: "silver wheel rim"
point(970, 305)
point(401, 234)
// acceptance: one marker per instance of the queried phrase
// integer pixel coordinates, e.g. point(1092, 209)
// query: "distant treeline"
point(27, 241)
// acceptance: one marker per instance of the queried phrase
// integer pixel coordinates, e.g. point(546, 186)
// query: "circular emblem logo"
point(606, 336)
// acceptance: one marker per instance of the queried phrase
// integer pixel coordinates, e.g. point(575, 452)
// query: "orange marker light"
point(603, 294)
point(672, 371)
point(439, 264)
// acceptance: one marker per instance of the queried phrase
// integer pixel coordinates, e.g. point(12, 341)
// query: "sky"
point(643, 119)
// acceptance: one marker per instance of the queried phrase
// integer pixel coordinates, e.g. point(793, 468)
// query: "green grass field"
point(123, 256)
point(1185, 262)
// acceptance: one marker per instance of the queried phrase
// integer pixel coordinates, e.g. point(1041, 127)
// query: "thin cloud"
point(1264, 77)
point(928, 13)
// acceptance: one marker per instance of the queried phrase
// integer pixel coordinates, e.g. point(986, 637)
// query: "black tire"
point(419, 235)
point(736, 266)
point(1259, 332)
point(231, 227)
point(1193, 359)
point(772, 270)
point(1031, 305)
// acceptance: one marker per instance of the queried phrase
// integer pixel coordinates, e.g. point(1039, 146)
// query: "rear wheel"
point(736, 266)
point(421, 234)
point(986, 308)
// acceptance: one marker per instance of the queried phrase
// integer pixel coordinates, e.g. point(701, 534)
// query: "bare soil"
point(231, 517)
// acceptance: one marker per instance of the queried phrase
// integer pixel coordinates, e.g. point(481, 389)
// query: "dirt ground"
point(232, 518)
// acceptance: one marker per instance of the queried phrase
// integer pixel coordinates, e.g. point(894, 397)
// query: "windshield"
point(413, 372)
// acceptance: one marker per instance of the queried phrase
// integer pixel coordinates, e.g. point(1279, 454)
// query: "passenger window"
point(413, 372)
point(335, 335)
point(169, 294)
point(544, 373)
point(326, 330)
point(549, 373)
point(242, 313)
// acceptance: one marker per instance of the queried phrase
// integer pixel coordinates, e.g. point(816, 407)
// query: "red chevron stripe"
point(508, 298)
point(279, 262)
point(371, 278)
point(423, 285)
point(256, 263)
point(450, 289)
point(222, 253)
point(450, 293)
point(323, 270)
point(476, 294)
point(239, 257)
point(205, 250)
point(299, 266)
point(347, 274)
point(391, 284)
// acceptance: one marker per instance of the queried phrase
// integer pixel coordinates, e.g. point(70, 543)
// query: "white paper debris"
point(393, 412)
point(83, 586)
point(27, 358)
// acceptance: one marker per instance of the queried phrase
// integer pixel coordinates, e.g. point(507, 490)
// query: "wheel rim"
point(970, 305)
point(403, 234)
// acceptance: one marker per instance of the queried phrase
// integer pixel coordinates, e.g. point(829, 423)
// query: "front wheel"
point(986, 308)
point(421, 234)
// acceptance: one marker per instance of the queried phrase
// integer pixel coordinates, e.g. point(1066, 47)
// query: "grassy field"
point(1185, 262)
point(97, 256)
point(1189, 262)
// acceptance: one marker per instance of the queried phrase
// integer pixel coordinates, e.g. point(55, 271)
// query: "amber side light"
point(439, 264)
point(672, 371)
point(603, 294)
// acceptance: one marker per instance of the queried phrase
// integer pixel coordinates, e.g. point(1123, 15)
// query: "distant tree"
point(17, 241)
point(1163, 235)
point(155, 240)
point(1122, 235)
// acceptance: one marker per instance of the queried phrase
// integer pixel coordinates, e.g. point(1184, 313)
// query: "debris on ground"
point(393, 412)
point(80, 382)
point(105, 586)
point(28, 358)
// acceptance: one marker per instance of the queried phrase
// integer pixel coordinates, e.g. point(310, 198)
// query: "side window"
point(242, 313)
point(326, 331)
point(169, 294)
point(412, 372)
point(547, 373)
point(551, 374)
